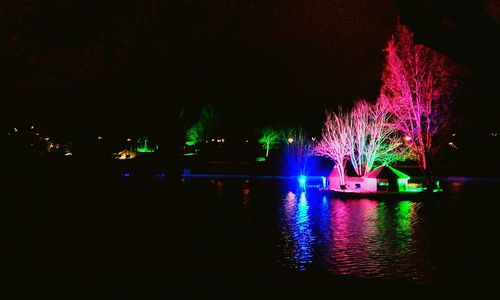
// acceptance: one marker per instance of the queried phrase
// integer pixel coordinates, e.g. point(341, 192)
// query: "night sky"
point(133, 65)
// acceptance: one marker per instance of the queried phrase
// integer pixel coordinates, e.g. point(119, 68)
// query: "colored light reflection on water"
point(297, 230)
point(363, 237)
point(303, 235)
point(352, 226)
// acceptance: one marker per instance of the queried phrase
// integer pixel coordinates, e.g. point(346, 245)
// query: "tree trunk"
point(429, 178)
point(341, 171)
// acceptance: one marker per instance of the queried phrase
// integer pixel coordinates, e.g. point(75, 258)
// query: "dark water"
point(201, 229)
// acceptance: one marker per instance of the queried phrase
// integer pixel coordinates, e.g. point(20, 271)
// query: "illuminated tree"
point(335, 141)
point(269, 139)
point(204, 127)
point(194, 134)
point(417, 90)
point(373, 140)
point(298, 149)
point(143, 145)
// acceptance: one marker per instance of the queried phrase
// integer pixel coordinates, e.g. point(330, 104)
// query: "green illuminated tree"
point(144, 145)
point(204, 127)
point(269, 139)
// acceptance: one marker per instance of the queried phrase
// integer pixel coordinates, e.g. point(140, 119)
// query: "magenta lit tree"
point(373, 140)
point(417, 89)
point(335, 141)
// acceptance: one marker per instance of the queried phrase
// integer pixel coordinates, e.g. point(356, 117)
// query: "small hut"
point(386, 178)
point(333, 178)
point(352, 181)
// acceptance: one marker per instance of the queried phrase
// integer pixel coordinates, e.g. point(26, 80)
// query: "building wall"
point(370, 184)
point(367, 184)
point(350, 183)
point(403, 185)
point(333, 182)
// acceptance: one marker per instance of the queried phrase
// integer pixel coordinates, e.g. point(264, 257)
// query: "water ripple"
point(364, 238)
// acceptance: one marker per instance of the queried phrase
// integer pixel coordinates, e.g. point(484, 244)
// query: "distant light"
point(128, 140)
point(15, 129)
point(290, 140)
point(68, 154)
point(99, 137)
point(450, 143)
point(213, 140)
point(323, 179)
point(260, 158)
point(453, 134)
point(37, 134)
point(407, 138)
point(126, 174)
point(313, 138)
point(47, 138)
point(223, 140)
point(218, 141)
point(246, 141)
point(32, 127)
point(302, 181)
point(494, 134)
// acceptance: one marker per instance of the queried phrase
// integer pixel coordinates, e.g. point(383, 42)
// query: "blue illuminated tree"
point(298, 150)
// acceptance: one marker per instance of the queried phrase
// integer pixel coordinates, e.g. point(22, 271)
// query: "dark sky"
point(135, 64)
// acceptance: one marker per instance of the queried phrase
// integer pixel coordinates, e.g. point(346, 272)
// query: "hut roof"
point(349, 170)
point(386, 172)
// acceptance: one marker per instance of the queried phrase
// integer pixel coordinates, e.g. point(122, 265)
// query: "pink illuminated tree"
point(373, 139)
point(335, 141)
point(417, 90)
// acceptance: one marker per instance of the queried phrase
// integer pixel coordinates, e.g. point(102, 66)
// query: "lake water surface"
point(249, 226)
